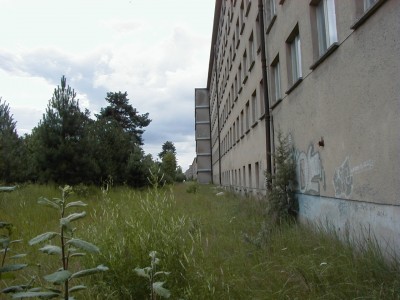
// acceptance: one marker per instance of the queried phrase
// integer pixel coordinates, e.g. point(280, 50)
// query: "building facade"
point(325, 73)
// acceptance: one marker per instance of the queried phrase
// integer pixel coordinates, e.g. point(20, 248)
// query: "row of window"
point(247, 177)
point(248, 118)
point(323, 21)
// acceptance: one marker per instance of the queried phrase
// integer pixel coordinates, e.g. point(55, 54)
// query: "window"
point(240, 78)
point(247, 116)
point(244, 176)
point(236, 86)
point(294, 59)
point(254, 107)
point(237, 129)
point(250, 179)
point(262, 103)
point(326, 25)
point(241, 17)
point(257, 178)
point(365, 9)
point(251, 51)
point(237, 33)
point(244, 67)
point(241, 123)
point(234, 134)
point(258, 34)
point(270, 10)
point(276, 79)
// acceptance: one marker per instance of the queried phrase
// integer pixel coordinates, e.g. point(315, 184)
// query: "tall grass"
point(214, 247)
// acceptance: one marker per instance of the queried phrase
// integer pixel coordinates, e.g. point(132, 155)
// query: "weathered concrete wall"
point(351, 101)
point(358, 221)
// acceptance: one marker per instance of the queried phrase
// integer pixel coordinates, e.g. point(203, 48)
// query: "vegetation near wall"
point(202, 241)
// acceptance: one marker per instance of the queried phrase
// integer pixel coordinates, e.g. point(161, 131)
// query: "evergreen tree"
point(60, 147)
point(10, 146)
point(126, 116)
point(168, 166)
point(167, 147)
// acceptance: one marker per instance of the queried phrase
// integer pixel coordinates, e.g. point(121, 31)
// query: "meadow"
point(215, 247)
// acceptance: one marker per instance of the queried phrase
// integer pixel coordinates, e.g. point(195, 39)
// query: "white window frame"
point(276, 77)
point(295, 57)
point(326, 25)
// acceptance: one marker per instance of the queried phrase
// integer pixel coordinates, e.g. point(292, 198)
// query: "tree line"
point(69, 147)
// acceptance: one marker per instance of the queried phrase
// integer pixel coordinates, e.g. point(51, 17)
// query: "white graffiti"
point(364, 166)
point(310, 173)
point(343, 177)
point(343, 180)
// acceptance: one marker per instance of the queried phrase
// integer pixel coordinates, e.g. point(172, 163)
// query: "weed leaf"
point(142, 272)
point(42, 237)
point(49, 203)
point(35, 294)
point(77, 288)
point(160, 290)
point(14, 289)
point(87, 272)
point(17, 256)
point(51, 249)
point(75, 204)
point(75, 216)
point(58, 277)
point(84, 245)
point(14, 267)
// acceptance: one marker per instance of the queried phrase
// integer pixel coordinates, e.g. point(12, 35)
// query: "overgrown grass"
point(211, 245)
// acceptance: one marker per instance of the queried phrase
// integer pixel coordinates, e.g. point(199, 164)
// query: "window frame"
point(276, 77)
point(294, 59)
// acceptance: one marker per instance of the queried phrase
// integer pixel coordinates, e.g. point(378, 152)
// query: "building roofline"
point(217, 14)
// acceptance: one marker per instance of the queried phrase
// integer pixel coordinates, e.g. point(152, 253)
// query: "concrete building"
point(326, 73)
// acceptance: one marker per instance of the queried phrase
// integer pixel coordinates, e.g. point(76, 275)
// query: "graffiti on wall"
point(343, 177)
point(343, 180)
point(310, 172)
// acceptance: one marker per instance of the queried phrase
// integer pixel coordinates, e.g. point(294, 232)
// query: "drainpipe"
point(218, 124)
point(265, 85)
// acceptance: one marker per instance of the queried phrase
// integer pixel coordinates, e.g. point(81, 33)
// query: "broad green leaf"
point(17, 256)
point(49, 203)
point(160, 290)
point(77, 288)
point(15, 241)
point(141, 272)
point(162, 273)
point(51, 249)
point(75, 204)
point(84, 245)
point(58, 277)
point(35, 294)
point(42, 237)
point(14, 267)
point(14, 289)
point(65, 223)
point(75, 216)
point(87, 272)
point(77, 254)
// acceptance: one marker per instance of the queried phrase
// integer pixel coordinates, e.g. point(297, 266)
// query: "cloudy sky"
point(155, 50)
